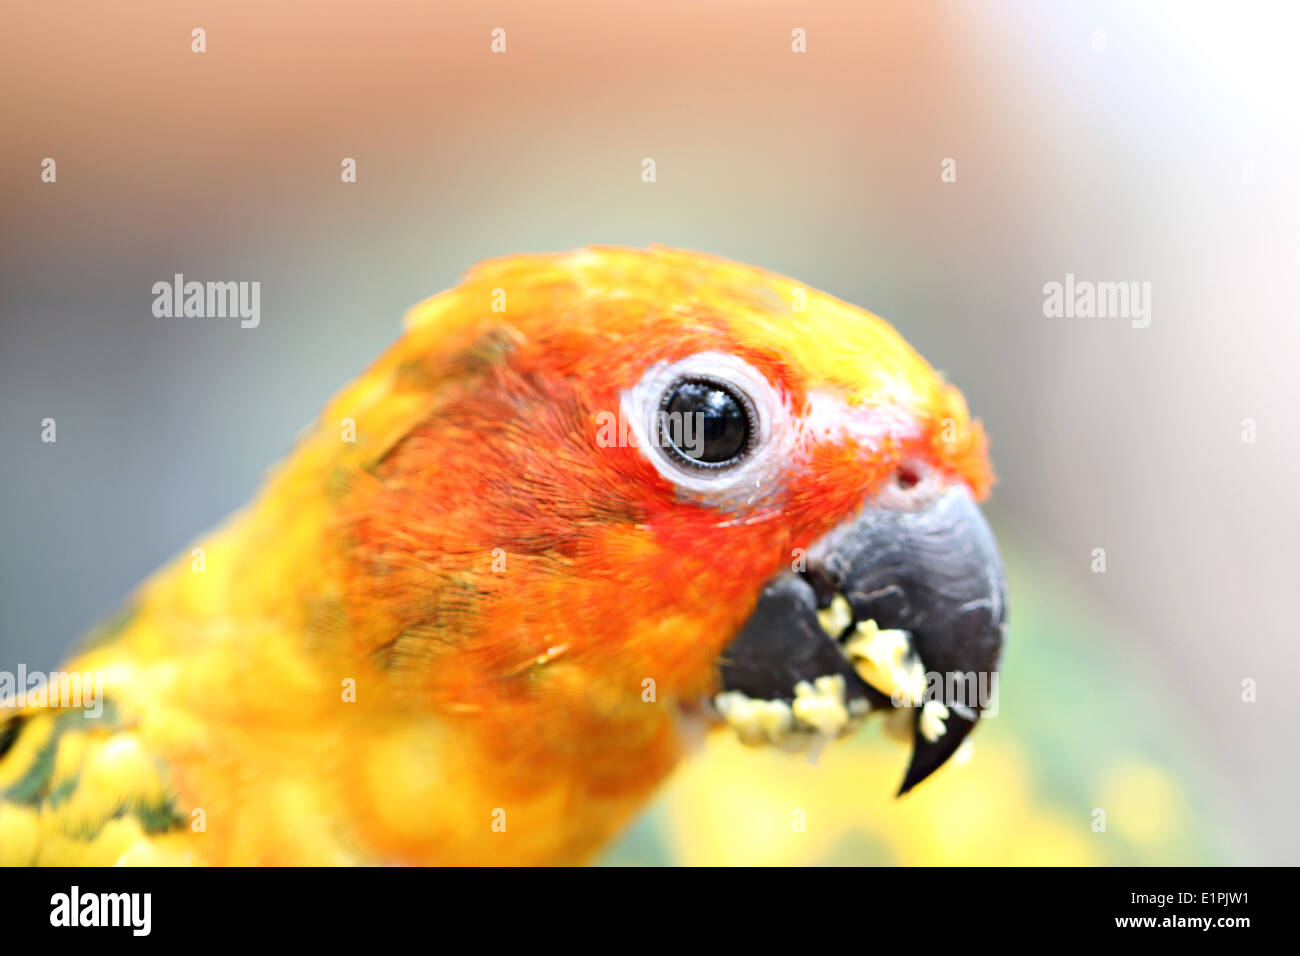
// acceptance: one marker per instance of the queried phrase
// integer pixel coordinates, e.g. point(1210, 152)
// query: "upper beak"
point(931, 570)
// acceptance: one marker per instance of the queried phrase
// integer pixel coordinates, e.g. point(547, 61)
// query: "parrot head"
point(613, 492)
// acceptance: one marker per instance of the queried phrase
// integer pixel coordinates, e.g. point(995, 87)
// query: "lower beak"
point(906, 605)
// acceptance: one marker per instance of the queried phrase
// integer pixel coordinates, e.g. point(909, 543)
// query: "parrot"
point(589, 510)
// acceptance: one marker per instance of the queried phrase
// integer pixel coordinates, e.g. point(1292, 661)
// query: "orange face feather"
point(525, 603)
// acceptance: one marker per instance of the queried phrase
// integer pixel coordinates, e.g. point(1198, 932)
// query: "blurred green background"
point(1150, 142)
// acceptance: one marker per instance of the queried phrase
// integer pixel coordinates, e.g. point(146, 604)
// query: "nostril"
point(907, 477)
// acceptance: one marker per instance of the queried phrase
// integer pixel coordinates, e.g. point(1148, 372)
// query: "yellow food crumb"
point(821, 704)
point(884, 660)
point(819, 711)
point(756, 721)
point(836, 619)
point(932, 725)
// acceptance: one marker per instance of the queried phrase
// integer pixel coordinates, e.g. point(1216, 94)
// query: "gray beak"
point(932, 571)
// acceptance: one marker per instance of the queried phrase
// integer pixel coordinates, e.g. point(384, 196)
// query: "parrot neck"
point(240, 670)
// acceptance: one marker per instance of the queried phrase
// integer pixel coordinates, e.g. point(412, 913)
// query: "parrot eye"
point(713, 425)
point(706, 423)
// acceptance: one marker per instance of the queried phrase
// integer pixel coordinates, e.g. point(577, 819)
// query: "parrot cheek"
point(901, 609)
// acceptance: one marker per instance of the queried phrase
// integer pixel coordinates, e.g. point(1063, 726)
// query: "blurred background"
point(1148, 142)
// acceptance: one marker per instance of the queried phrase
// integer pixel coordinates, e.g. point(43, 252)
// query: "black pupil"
point(705, 422)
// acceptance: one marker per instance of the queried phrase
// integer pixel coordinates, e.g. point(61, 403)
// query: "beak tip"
point(928, 756)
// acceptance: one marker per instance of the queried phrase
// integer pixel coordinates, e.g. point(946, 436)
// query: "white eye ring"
point(753, 475)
